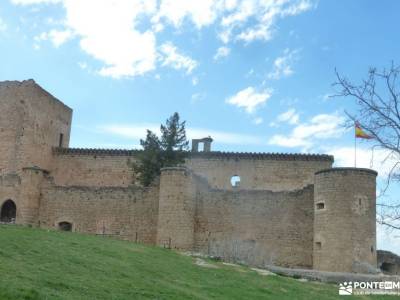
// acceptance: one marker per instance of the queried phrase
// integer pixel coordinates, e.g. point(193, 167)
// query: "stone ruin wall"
point(96, 167)
point(272, 172)
point(254, 226)
point(127, 213)
point(259, 226)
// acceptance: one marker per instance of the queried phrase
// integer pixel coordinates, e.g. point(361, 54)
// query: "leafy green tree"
point(168, 151)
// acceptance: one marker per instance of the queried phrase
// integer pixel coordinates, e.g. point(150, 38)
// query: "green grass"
point(40, 264)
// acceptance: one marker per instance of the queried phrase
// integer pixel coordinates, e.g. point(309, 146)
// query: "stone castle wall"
point(271, 217)
point(254, 226)
point(94, 168)
point(127, 213)
point(275, 172)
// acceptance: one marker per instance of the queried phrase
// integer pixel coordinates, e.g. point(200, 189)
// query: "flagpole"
point(355, 148)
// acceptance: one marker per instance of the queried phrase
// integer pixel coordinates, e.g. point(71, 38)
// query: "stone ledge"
point(211, 154)
point(331, 277)
point(355, 170)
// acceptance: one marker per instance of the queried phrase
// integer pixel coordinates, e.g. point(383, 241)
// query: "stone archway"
point(8, 212)
point(65, 226)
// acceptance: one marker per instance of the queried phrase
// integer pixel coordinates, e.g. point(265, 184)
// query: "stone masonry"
point(288, 210)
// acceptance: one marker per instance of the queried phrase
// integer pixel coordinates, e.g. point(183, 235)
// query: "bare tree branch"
point(378, 112)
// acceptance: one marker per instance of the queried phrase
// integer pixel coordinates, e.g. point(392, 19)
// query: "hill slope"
point(40, 264)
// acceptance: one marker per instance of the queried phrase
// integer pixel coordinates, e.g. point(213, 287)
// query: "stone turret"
point(344, 220)
point(29, 196)
point(206, 144)
point(176, 209)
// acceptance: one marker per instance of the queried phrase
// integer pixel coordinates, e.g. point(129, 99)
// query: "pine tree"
point(170, 151)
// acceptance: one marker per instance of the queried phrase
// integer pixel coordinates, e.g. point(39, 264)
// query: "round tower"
point(176, 209)
point(345, 220)
point(29, 195)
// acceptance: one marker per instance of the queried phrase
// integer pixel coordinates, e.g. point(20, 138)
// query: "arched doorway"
point(8, 212)
point(65, 226)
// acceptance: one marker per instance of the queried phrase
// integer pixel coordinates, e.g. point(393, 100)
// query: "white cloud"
point(122, 34)
point(107, 31)
point(282, 65)
point(290, 116)
point(3, 25)
point(138, 131)
point(378, 159)
point(260, 17)
point(176, 60)
point(304, 135)
point(30, 2)
point(259, 32)
point(201, 13)
point(250, 99)
point(57, 37)
point(222, 52)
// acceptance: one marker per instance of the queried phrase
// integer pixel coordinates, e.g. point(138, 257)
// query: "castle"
point(291, 210)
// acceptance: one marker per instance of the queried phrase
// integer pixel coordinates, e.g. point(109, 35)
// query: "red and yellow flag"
point(360, 133)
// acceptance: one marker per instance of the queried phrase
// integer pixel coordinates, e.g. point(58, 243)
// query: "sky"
point(256, 75)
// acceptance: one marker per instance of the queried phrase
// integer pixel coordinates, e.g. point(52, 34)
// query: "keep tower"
point(32, 122)
point(344, 220)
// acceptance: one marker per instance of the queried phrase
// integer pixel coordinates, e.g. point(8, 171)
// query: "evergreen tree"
point(173, 141)
point(170, 151)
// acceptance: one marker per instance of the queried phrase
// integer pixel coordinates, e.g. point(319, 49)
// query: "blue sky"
point(255, 75)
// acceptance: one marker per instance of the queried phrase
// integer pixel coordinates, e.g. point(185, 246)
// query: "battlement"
point(210, 154)
point(263, 155)
point(93, 151)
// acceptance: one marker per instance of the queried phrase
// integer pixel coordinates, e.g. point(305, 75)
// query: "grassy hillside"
point(40, 264)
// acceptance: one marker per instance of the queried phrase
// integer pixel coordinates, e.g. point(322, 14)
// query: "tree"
point(170, 151)
point(173, 141)
point(378, 112)
point(149, 161)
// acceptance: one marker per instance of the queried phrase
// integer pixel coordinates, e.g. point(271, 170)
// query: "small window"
point(318, 245)
point(61, 140)
point(235, 180)
point(372, 249)
point(201, 147)
point(320, 205)
point(65, 226)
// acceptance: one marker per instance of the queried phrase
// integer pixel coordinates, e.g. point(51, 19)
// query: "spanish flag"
point(360, 133)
